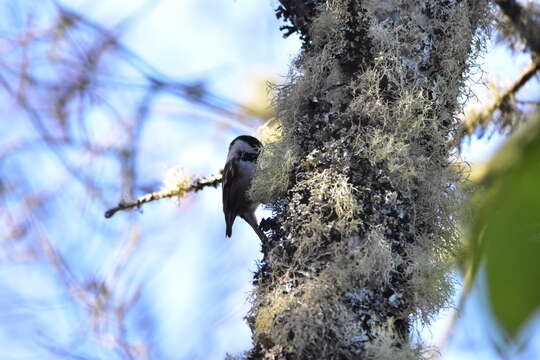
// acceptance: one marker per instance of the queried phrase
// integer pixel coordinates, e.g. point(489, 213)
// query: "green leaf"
point(506, 230)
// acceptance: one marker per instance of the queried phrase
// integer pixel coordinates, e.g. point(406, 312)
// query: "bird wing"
point(230, 194)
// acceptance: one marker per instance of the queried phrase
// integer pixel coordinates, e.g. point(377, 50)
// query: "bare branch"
point(524, 21)
point(197, 185)
point(483, 117)
point(195, 92)
point(528, 102)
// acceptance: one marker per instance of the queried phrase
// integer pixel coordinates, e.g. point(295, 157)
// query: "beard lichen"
point(363, 196)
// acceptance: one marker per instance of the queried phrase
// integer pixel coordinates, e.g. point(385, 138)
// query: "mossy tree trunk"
point(363, 194)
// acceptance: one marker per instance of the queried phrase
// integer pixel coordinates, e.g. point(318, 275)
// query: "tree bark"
point(362, 193)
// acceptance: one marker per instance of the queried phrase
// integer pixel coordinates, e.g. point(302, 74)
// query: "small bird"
point(237, 175)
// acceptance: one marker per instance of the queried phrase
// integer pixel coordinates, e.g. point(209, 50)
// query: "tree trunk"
point(360, 183)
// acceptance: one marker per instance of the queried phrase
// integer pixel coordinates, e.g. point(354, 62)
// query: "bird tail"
point(229, 221)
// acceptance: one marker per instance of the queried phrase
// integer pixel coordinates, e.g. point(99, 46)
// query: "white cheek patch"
point(246, 167)
point(238, 147)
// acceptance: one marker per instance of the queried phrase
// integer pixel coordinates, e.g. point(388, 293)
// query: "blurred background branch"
point(89, 119)
point(504, 101)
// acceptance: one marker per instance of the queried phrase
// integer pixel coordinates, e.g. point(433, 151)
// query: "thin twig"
point(456, 315)
point(528, 102)
point(523, 21)
point(199, 184)
point(450, 330)
point(194, 92)
point(468, 127)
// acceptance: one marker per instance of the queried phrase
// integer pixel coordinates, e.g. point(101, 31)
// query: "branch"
point(468, 126)
point(456, 315)
point(199, 184)
point(195, 92)
point(523, 21)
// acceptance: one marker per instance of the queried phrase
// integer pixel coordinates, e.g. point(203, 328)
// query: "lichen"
point(275, 304)
point(176, 180)
point(274, 166)
point(384, 347)
point(361, 186)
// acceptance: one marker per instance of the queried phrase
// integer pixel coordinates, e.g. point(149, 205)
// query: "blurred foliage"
point(506, 29)
point(504, 239)
point(505, 234)
point(258, 96)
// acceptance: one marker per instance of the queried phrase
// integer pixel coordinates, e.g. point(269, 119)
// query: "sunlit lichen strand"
point(362, 193)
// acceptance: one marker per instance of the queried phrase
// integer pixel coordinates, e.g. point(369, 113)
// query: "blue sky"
point(195, 282)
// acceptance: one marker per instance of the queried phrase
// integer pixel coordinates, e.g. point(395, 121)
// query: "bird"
point(237, 175)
